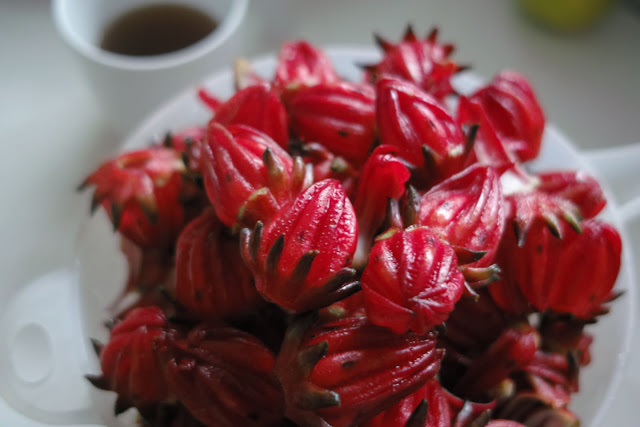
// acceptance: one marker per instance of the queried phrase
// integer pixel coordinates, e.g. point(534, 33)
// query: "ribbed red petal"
point(129, 361)
point(211, 280)
point(578, 187)
point(413, 121)
point(234, 170)
point(424, 62)
point(415, 270)
point(467, 210)
point(340, 116)
point(366, 367)
point(320, 222)
point(223, 376)
point(302, 64)
point(510, 108)
point(259, 107)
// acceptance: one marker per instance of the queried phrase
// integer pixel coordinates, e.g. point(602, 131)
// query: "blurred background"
point(52, 131)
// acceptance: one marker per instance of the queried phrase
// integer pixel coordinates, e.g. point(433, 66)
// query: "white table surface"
point(52, 132)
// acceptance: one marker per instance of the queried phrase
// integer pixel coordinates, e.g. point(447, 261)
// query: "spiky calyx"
point(300, 64)
point(422, 129)
point(130, 363)
point(424, 62)
point(247, 176)
point(340, 116)
point(341, 373)
point(301, 259)
point(141, 192)
point(212, 282)
point(543, 269)
point(576, 186)
point(488, 149)
point(224, 377)
point(257, 106)
point(508, 108)
point(467, 210)
point(383, 177)
point(412, 281)
point(528, 208)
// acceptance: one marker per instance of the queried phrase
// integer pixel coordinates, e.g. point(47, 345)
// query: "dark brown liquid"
point(157, 29)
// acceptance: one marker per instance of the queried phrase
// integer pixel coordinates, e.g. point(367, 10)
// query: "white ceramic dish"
point(100, 272)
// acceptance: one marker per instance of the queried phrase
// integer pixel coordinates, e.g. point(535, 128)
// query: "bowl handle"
point(39, 332)
point(620, 168)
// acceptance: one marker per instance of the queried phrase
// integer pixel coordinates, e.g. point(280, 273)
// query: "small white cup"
point(129, 87)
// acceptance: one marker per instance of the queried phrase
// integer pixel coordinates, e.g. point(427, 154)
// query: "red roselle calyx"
point(212, 281)
point(383, 177)
point(426, 135)
point(544, 269)
point(412, 281)
point(343, 372)
point(578, 187)
point(525, 209)
point(487, 148)
point(141, 192)
point(224, 377)
point(467, 210)
point(509, 107)
point(424, 62)
point(340, 116)
point(129, 361)
point(511, 351)
point(247, 176)
point(301, 259)
point(259, 107)
point(302, 64)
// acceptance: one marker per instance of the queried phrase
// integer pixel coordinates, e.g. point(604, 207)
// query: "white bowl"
point(102, 269)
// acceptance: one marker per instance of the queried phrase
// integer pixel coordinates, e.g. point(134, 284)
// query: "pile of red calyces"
point(325, 252)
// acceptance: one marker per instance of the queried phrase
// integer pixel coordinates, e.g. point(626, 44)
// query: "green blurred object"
point(568, 16)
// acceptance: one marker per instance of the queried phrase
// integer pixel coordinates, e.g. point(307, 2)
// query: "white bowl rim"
point(145, 130)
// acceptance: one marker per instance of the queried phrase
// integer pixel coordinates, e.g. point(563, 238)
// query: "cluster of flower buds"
point(376, 253)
